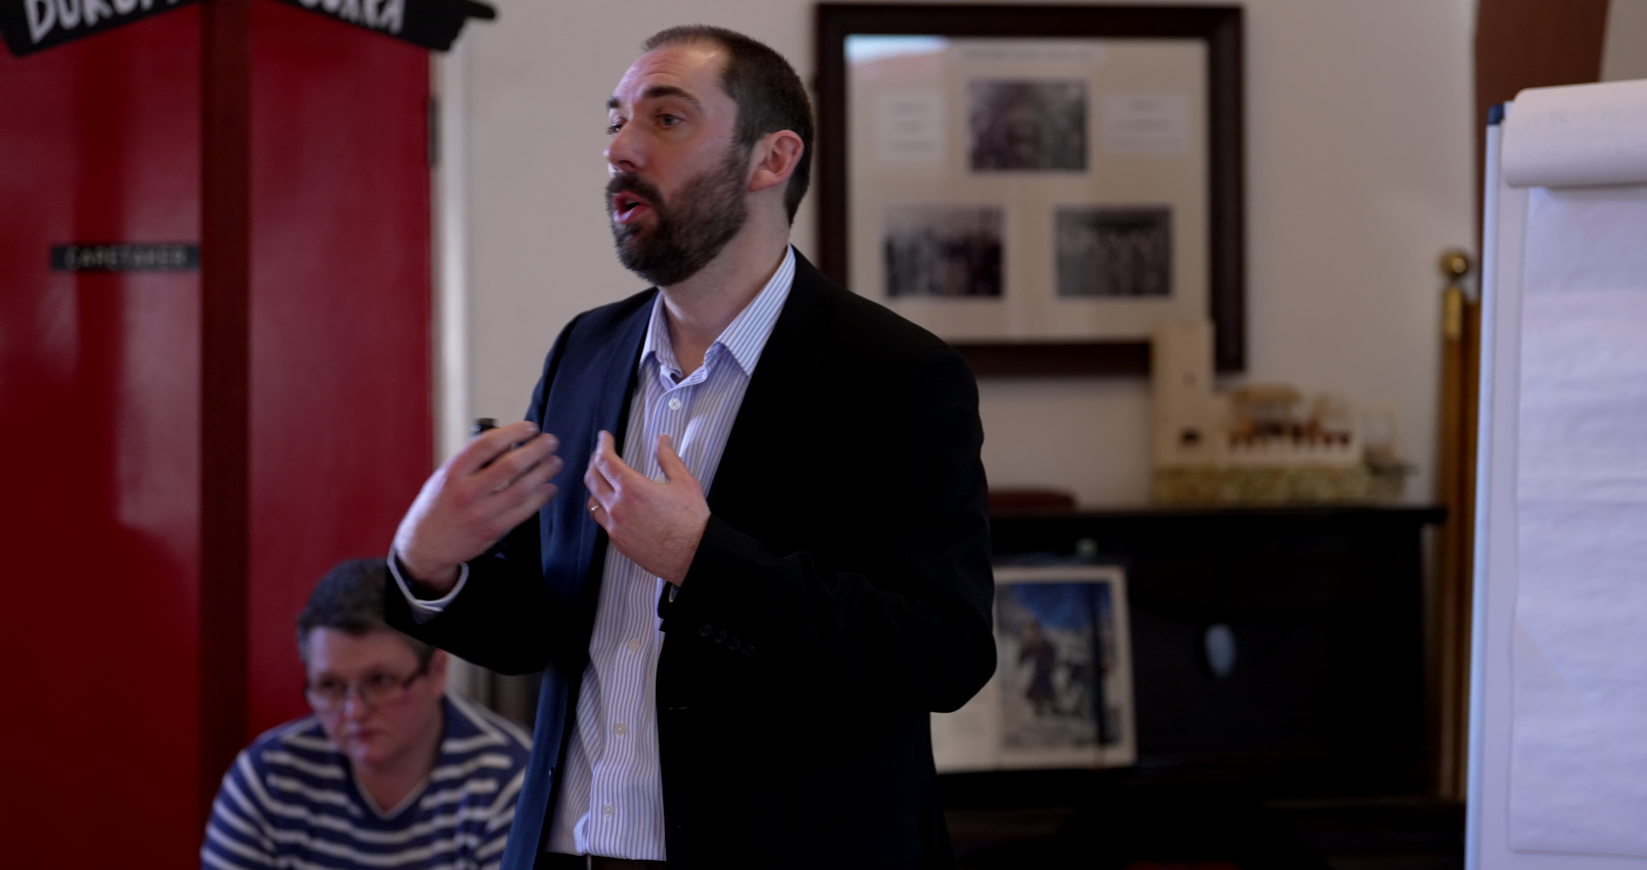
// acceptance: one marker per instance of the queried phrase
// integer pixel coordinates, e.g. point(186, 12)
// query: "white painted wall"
point(1359, 173)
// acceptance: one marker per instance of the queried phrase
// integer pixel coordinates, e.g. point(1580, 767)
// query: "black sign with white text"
point(430, 23)
point(31, 25)
point(175, 257)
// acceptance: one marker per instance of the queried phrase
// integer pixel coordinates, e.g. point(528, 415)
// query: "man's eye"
point(669, 120)
point(380, 681)
point(329, 687)
point(613, 128)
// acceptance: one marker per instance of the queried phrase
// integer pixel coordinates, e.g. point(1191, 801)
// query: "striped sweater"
point(290, 801)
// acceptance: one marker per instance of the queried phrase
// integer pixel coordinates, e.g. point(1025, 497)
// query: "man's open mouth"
point(626, 206)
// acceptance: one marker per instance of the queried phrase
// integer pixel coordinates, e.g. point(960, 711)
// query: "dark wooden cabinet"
point(1326, 607)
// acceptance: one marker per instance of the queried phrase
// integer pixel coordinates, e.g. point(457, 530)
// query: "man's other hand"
point(475, 499)
point(658, 524)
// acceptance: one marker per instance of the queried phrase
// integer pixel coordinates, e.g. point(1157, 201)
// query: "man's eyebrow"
point(657, 92)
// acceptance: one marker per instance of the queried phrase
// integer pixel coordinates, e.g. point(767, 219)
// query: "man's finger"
point(673, 467)
point(599, 486)
point(486, 447)
point(611, 465)
point(535, 477)
point(606, 446)
point(600, 493)
point(531, 502)
point(517, 462)
point(509, 469)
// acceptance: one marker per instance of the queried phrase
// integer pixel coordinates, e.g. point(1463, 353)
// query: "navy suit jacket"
point(841, 591)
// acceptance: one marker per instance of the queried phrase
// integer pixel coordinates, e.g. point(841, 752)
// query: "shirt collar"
point(744, 338)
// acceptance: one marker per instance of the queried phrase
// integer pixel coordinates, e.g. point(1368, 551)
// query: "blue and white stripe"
point(611, 799)
point(291, 800)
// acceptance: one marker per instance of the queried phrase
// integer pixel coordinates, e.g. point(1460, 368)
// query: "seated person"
point(389, 772)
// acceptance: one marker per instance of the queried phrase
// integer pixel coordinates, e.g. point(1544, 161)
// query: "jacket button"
point(734, 643)
point(705, 629)
point(748, 650)
point(720, 636)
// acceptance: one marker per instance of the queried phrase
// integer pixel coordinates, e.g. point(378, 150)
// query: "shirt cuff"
point(425, 609)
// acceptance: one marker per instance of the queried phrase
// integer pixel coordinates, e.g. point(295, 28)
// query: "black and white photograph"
point(1057, 645)
point(1027, 124)
point(1114, 252)
point(943, 251)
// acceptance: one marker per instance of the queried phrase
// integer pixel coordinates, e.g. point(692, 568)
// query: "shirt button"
point(620, 728)
point(674, 403)
point(634, 644)
point(606, 810)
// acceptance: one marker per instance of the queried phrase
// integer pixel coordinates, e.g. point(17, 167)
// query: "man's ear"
point(775, 158)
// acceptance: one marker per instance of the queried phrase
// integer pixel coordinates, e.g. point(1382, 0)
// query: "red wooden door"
point(100, 400)
point(342, 416)
point(99, 428)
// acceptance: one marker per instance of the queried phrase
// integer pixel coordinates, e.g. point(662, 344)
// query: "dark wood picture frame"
point(1219, 26)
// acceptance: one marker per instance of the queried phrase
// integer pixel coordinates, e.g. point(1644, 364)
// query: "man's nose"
point(623, 153)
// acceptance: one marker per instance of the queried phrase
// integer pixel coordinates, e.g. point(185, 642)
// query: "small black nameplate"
point(125, 258)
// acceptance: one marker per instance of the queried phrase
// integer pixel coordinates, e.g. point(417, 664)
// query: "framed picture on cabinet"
point(1061, 696)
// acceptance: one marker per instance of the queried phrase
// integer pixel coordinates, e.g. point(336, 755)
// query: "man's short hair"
point(768, 92)
point(350, 599)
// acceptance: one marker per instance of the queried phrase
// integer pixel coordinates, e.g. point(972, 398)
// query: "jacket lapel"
point(597, 375)
point(615, 366)
point(758, 440)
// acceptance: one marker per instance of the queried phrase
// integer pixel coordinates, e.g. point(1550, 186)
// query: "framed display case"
point(1039, 186)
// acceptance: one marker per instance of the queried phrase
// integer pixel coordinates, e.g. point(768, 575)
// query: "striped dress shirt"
point(610, 800)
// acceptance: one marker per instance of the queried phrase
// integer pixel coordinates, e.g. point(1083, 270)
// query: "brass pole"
point(1460, 331)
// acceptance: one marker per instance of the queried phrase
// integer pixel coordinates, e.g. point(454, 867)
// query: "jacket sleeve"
point(505, 618)
point(912, 625)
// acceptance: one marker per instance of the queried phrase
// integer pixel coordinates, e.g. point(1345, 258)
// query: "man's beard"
point(687, 232)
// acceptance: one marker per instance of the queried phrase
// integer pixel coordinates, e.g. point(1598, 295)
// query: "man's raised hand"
point(474, 499)
point(658, 524)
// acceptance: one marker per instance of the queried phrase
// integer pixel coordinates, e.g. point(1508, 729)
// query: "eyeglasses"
point(377, 690)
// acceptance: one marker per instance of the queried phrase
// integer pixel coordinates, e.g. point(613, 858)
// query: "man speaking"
point(768, 560)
